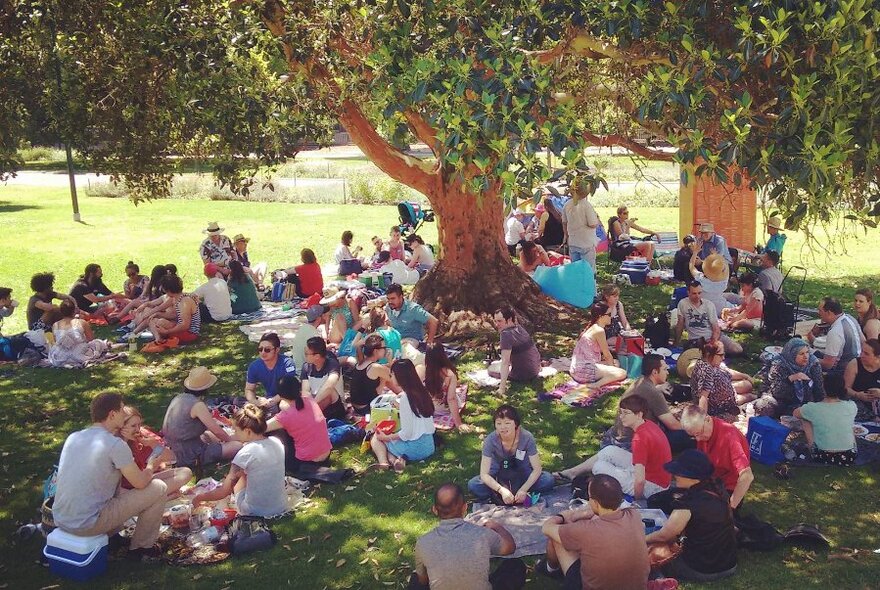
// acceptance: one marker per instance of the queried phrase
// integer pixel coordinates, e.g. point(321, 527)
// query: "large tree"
point(781, 94)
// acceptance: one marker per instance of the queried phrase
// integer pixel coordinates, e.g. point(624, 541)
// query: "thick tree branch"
point(625, 142)
point(423, 130)
point(580, 43)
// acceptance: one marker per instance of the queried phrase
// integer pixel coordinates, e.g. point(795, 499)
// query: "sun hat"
point(686, 360)
point(331, 294)
point(692, 464)
point(707, 228)
point(199, 379)
point(240, 238)
point(314, 312)
point(716, 268)
point(211, 270)
point(213, 228)
point(775, 222)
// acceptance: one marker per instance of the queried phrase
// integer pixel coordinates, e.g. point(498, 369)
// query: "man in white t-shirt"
point(579, 223)
point(314, 319)
point(514, 231)
point(699, 318)
point(215, 305)
point(843, 342)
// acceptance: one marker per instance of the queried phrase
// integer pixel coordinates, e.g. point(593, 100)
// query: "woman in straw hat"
point(713, 279)
point(776, 241)
point(190, 430)
point(240, 253)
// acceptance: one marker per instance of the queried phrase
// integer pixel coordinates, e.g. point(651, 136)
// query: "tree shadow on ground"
point(7, 207)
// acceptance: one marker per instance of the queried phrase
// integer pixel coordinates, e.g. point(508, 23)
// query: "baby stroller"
point(412, 216)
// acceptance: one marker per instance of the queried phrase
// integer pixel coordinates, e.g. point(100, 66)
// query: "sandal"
point(379, 467)
point(399, 465)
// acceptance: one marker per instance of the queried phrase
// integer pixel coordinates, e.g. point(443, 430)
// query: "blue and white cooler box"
point(765, 436)
point(76, 558)
point(637, 270)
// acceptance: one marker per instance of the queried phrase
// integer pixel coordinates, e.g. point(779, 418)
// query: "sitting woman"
point(378, 248)
point(345, 257)
point(715, 387)
point(795, 378)
point(380, 324)
point(75, 345)
point(619, 323)
point(256, 476)
point(869, 317)
point(156, 305)
point(550, 231)
point(148, 449)
point(862, 380)
point(369, 377)
point(303, 421)
point(41, 312)
point(415, 439)
point(532, 256)
point(441, 381)
point(828, 424)
point(150, 292)
point(242, 291)
point(620, 233)
point(309, 279)
point(190, 430)
point(591, 362)
point(422, 258)
point(747, 315)
point(342, 314)
point(135, 284)
point(381, 259)
point(510, 466)
point(240, 254)
point(187, 323)
point(700, 512)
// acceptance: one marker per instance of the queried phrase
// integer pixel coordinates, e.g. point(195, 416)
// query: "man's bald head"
point(448, 501)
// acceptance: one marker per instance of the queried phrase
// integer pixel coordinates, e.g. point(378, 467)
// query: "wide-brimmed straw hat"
point(685, 362)
point(331, 295)
point(240, 238)
point(199, 379)
point(213, 228)
point(775, 222)
point(716, 268)
point(707, 228)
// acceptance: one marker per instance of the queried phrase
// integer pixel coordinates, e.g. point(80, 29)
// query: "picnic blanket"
point(444, 421)
point(525, 524)
point(270, 311)
point(578, 395)
point(286, 328)
point(482, 378)
point(867, 447)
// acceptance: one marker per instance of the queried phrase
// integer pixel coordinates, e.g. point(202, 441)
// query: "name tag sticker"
point(520, 454)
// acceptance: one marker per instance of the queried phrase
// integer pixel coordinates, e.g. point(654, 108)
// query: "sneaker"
point(542, 568)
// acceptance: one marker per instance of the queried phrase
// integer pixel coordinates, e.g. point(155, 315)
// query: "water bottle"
point(205, 536)
point(132, 342)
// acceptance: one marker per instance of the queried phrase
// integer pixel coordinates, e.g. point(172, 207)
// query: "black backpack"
point(779, 317)
point(657, 330)
point(756, 535)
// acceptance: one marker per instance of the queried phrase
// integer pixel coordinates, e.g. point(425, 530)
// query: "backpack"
point(779, 318)
point(657, 330)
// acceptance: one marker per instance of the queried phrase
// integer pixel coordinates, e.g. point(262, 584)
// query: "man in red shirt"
point(639, 472)
point(726, 447)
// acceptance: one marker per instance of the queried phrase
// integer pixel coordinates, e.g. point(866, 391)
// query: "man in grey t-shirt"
point(520, 359)
point(699, 318)
point(456, 554)
point(88, 501)
point(770, 278)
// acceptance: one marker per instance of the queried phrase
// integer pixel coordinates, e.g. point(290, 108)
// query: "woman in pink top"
point(395, 245)
point(592, 362)
point(302, 419)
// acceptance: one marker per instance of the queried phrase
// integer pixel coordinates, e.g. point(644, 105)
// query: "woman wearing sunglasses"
point(717, 388)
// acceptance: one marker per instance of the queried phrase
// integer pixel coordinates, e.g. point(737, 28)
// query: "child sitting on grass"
point(256, 476)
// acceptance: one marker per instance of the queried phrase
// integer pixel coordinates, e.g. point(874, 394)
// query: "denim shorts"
point(413, 450)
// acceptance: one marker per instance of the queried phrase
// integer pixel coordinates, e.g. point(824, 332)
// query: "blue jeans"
point(588, 254)
point(482, 492)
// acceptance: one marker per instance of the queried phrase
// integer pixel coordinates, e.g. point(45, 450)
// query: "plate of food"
point(860, 430)
point(663, 351)
point(773, 349)
point(874, 437)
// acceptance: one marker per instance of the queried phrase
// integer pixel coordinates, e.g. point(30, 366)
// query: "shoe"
point(541, 568)
point(145, 555)
point(399, 465)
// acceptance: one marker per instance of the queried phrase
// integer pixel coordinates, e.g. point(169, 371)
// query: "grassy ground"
point(383, 515)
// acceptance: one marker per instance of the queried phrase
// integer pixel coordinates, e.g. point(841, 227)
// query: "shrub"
point(30, 153)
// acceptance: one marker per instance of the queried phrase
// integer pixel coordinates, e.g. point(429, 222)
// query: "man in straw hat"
point(776, 242)
point(216, 248)
point(699, 318)
point(712, 243)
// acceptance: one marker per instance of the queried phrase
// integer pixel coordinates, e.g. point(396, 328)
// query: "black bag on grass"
point(657, 330)
point(756, 535)
point(250, 533)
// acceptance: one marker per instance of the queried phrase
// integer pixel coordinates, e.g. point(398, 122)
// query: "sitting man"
point(727, 449)
point(215, 305)
point(307, 331)
point(600, 547)
point(843, 342)
point(699, 511)
point(216, 248)
point(770, 278)
point(655, 373)
point(712, 243)
point(514, 231)
point(7, 304)
point(409, 318)
point(698, 316)
point(681, 266)
point(89, 290)
point(520, 359)
point(456, 553)
point(639, 472)
point(92, 463)
point(322, 378)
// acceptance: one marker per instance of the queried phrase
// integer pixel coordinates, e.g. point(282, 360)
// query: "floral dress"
point(719, 384)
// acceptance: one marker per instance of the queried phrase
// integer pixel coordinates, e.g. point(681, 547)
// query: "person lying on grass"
point(256, 476)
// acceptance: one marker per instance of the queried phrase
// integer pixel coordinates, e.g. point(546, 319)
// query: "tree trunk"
point(474, 272)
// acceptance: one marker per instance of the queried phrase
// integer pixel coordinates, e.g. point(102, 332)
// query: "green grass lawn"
point(383, 515)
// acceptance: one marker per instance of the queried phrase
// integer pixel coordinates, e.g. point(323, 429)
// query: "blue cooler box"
point(637, 271)
point(76, 558)
point(765, 436)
